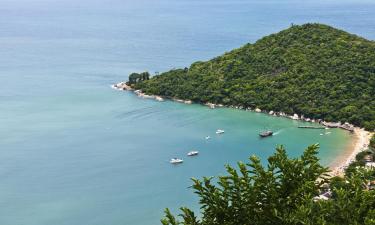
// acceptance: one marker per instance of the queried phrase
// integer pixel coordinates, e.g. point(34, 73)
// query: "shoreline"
point(360, 139)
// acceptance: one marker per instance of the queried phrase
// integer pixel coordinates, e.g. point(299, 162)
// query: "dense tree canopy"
point(137, 77)
point(281, 193)
point(312, 69)
point(372, 142)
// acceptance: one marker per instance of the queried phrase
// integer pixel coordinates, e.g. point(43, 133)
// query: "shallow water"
point(75, 151)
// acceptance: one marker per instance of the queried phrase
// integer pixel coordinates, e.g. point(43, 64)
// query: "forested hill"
point(312, 69)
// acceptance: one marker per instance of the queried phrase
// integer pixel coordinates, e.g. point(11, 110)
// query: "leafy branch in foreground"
point(280, 193)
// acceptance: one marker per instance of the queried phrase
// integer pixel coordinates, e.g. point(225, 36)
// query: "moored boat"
point(193, 153)
point(176, 161)
point(220, 131)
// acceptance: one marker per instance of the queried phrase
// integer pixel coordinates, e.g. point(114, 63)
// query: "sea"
point(74, 151)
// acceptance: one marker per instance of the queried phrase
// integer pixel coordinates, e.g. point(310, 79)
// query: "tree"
point(280, 193)
point(312, 69)
point(372, 142)
point(138, 77)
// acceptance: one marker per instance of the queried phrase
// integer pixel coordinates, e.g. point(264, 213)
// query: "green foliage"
point(351, 202)
point(372, 142)
point(138, 77)
point(352, 168)
point(313, 69)
point(337, 183)
point(280, 193)
point(360, 160)
point(361, 155)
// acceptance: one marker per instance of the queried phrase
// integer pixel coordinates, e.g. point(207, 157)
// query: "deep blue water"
point(74, 151)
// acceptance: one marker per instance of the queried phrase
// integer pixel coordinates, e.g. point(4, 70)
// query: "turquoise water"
point(74, 151)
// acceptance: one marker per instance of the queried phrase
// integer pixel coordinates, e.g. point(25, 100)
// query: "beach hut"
point(368, 158)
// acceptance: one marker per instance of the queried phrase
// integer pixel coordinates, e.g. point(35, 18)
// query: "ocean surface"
point(74, 151)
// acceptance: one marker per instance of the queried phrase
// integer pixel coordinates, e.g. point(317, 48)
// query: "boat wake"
point(277, 132)
point(140, 113)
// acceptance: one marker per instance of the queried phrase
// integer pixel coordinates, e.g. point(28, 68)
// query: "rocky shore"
point(346, 126)
point(124, 87)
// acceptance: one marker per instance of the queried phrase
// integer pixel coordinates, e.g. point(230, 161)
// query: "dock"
point(311, 127)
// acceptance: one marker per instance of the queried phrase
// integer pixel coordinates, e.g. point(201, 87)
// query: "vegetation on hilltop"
point(284, 193)
point(138, 77)
point(312, 69)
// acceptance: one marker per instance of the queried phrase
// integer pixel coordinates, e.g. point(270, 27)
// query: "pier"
point(311, 127)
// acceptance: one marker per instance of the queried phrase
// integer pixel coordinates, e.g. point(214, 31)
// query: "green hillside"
point(312, 69)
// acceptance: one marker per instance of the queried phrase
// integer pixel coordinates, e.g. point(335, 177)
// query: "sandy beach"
point(360, 142)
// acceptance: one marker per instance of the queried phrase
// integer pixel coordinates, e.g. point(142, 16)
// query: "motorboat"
point(219, 131)
point(266, 133)
point(176, 161)
point(208, 137)
point(193, 153)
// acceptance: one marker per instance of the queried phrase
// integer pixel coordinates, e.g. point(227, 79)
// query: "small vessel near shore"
point(176, 161)
point(208, 137)
point(266, 133)
point(193, 153)
point(219, 131)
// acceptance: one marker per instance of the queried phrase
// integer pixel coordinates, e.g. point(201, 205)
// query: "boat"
point(266, 133)
point(176, 161)
point(193, 153)
point(219, 131)
point(208, 137)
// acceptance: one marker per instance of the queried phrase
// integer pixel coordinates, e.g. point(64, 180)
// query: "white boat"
point(176, 161)
point(266, 133)
point(208, 137)
point(219, 131)
point(193, 153)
